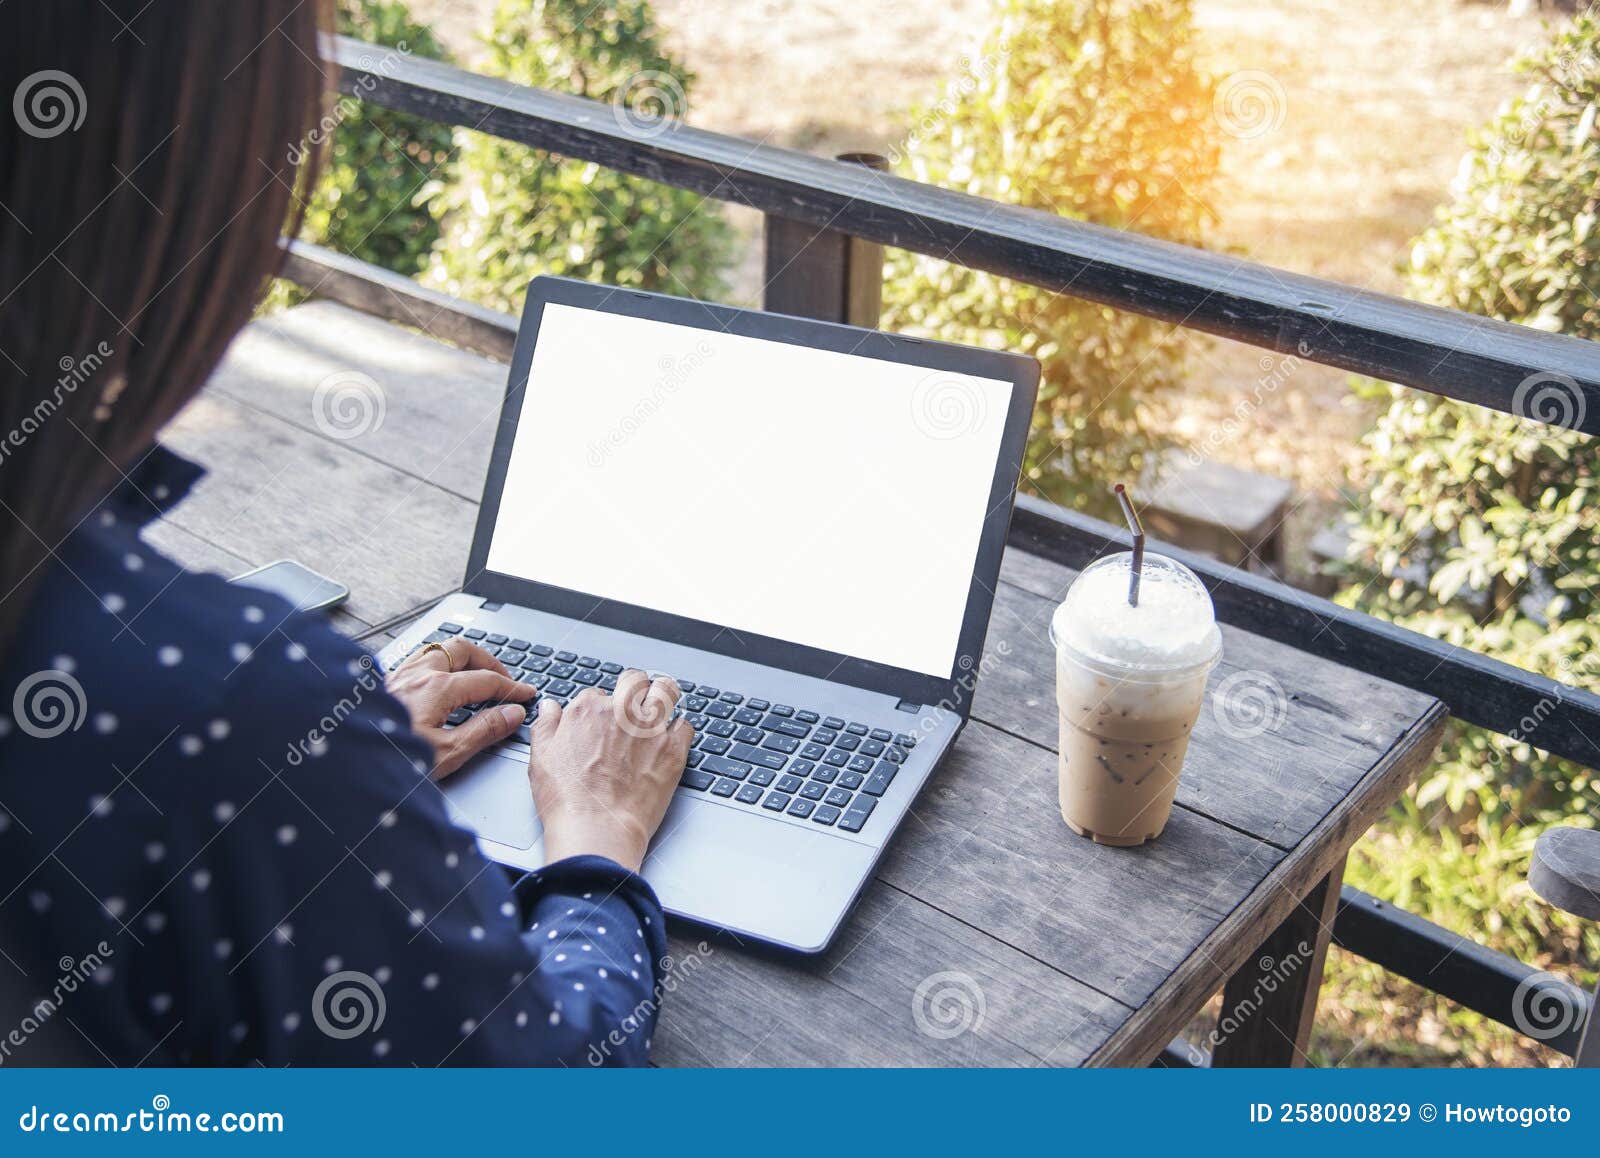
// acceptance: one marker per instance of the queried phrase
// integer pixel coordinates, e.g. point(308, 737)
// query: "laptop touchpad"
point(491, 797)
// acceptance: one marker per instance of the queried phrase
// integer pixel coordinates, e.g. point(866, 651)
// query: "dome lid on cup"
point(1173, 628)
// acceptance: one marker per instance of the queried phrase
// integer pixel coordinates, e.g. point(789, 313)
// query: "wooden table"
point(992, 935)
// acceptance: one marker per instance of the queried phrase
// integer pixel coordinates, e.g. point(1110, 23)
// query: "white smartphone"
point(297, 583)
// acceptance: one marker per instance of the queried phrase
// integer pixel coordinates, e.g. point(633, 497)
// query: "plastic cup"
point(1130, 683)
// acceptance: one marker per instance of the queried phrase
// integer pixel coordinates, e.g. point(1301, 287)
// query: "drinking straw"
point(1138, 544)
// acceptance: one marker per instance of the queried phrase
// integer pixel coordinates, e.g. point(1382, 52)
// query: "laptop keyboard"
point(772, 758)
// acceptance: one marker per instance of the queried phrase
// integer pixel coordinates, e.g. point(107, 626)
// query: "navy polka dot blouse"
point(219, 845)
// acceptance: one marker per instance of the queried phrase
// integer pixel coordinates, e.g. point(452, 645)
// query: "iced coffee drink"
point(1130, 682)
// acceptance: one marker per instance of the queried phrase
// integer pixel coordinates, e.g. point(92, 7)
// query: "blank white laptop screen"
point(819, 498)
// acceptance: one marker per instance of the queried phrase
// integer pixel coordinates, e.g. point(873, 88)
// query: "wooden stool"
point(1231, 514)
point(1566, 873)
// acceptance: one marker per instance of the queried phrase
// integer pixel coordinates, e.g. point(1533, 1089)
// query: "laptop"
point(801, 522)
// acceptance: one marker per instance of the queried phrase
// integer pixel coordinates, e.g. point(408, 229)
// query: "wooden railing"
point(819, 208)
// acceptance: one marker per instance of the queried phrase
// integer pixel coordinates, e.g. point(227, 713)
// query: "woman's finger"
point(631, 687)
point(476, 687)
point(548, 719)
point(470, 657)
point(487, 727)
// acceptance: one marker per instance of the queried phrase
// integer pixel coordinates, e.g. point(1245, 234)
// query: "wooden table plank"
point(1076, 952)
point(274, 491)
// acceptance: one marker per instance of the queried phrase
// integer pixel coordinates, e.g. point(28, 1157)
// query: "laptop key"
point(720, 728)
point(747, 716)
point(878, 783)
point(860, 764)
point(562, 671)
point(762, 776)
point(827, 814)
point(587, 678)
point(776, 801)
point(782, 710)
point(526, 677)
point(749, 735)
point(838, 797)
point(694, 759)
point(723, 766)
point(497, 639)
point(851, 780)
point(855, 816)
point(731, 698)
point(720, 710)
point(813, 751)
point(561, 687)
point(811, 790)
point(694, 703)
point(474, 633)
point(802, 767)
point(542, 649)
point(824, 773)
point(566, 656)
point(775, 723)
point(449, 628)
point(615, 669)
point(790, 784)
point(458, 717)
point(435, 637)
point(684, 686)
point(778, 743)
point(872, 747)
point(587, 661)
point(807, 717)
point(519, 645)
point(724, 788)
point(513, 658)
point(757, 705)
point(801, 808)
point(856, 729)
point(609, 682)
point(716, 745)
point(708, 693)
point(833, 722)
point(848, 742)
point(894, 756)
point(756, 756)
point(534, 663)
point(696, 779)
point(881, 734)
point(749, 794)
point(837, 758)
point(825, 735)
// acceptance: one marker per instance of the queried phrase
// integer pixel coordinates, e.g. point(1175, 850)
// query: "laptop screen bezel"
point(952, 691)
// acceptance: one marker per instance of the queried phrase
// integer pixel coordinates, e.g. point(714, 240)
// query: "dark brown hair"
point(147, 169)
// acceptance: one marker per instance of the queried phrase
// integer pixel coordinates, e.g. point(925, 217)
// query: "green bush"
point(1480, 527)
point(1095, 110)
point(517, 212)
point(381, 168)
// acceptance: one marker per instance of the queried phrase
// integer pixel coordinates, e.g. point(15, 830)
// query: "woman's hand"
point(433, 683)
point(604, 768)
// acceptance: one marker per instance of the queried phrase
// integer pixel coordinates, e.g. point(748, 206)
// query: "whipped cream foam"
point(1174, 626)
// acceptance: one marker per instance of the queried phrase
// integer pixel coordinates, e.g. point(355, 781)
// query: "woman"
point(219, 838)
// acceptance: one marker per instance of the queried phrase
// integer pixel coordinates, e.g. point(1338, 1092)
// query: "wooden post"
point(1270, 1003)
point(821, 273)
